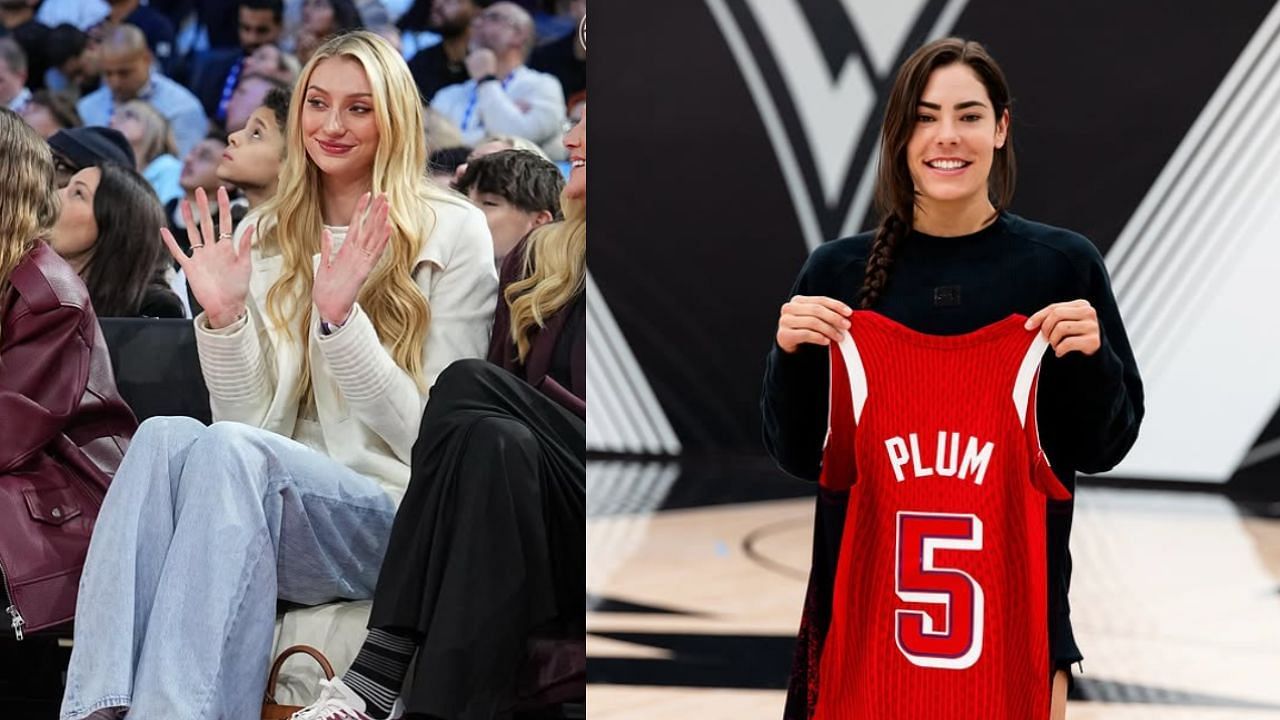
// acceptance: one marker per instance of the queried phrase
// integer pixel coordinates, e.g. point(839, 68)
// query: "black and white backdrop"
point(733, 136)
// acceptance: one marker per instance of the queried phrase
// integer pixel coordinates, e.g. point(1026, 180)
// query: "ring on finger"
point(224, 236)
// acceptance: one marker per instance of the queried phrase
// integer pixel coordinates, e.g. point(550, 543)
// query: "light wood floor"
point(1174, 599)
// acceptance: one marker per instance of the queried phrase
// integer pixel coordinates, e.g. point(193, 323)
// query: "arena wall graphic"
point(749, 137)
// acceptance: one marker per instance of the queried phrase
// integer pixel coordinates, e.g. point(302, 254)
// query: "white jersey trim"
point(857, 374)
point(1026, 375)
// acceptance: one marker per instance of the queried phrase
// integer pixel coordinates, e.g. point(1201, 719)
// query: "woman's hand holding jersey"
point(817, 320)
point(1069, 327)
point(340, 276)
point(217, 271)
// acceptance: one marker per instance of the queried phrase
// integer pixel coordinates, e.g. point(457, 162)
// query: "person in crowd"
point(157, 28)
point(254, 154)
point(219, 72)
point(128, 74)
point(444, 64)
point(79, 148)
point(499, 478)
point(14, 93)
point(321, 20)
point(153, 146)
point(441, 132)
point(250, 93)
point(271, 61)
point(566, 58)
point(443, 164)
point(104, 231)
point(83, 14)
point(328, 316)
point(75, 61)
point(199, 171)
point(49, 112)
point(418, 29)
point(504, 96)
point(65, 425)
point(18, 18)
point(517, 191)
point(493, 144)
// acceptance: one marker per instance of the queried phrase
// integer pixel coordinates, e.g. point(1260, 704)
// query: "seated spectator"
point(512, 428)
point(75, 61)
point(153, 147)
point(18, 18)
point(250, 93)
point(517, 191)
point(218, 73)
point(503, 96)
point(154, 25)
point(493, 144)
point(79, 148)
point(64, 422)
point(14, 94)
point(418, 29)
point(107, 231)
point(442, 164)
point(254, 155)
point(566, 58)
point(321, 20)
point(441, 132)
point(444, 63)
point(199, 170)
point(49, 112)
point(128, 73)
point(83, 14)
point(271, 61)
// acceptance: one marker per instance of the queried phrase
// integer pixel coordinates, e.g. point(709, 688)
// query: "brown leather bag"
point(271, 710)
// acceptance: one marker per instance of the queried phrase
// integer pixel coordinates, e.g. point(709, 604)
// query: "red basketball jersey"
point(939, 609)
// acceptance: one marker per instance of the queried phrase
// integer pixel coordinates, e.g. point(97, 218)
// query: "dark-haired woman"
point(948, 258)
point(107, 231)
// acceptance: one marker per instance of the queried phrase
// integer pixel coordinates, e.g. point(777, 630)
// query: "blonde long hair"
point(292, 222)
point(30, 206)
point(157, 133)
point(555, 270)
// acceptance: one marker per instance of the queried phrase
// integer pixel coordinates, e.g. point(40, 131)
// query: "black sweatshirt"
point(1089, 406)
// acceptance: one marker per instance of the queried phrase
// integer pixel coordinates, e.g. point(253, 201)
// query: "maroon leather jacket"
point(63, 432)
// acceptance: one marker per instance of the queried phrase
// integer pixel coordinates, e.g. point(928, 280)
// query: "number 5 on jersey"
point(948, 634)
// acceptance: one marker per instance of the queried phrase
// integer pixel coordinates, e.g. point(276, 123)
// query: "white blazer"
point(368, 409)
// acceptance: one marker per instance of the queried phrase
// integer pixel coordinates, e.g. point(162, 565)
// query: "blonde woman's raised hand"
point(217, 271)
point(341, 275)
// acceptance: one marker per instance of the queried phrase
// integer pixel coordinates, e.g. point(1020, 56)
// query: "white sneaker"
point(339, 702)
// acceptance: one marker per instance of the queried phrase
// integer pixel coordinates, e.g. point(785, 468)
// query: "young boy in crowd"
point(517, 190)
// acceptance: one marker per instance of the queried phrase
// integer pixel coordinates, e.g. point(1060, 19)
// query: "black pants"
point(489, 542)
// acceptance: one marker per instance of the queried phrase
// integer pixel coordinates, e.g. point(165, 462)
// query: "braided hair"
point(895, 195)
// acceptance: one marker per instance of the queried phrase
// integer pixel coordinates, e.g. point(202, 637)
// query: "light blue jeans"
point(202, 530)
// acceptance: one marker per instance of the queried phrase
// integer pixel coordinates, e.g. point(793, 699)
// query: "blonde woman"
point(64, 425)
point(154, 147)
point(488, 546)
point(327, 317)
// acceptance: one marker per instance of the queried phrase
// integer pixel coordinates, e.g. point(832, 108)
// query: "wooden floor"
point(1174, 598)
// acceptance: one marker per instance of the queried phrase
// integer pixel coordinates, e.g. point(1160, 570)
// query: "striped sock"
point(379, 669)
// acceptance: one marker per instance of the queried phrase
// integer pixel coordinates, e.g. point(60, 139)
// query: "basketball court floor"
point(696, 575)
